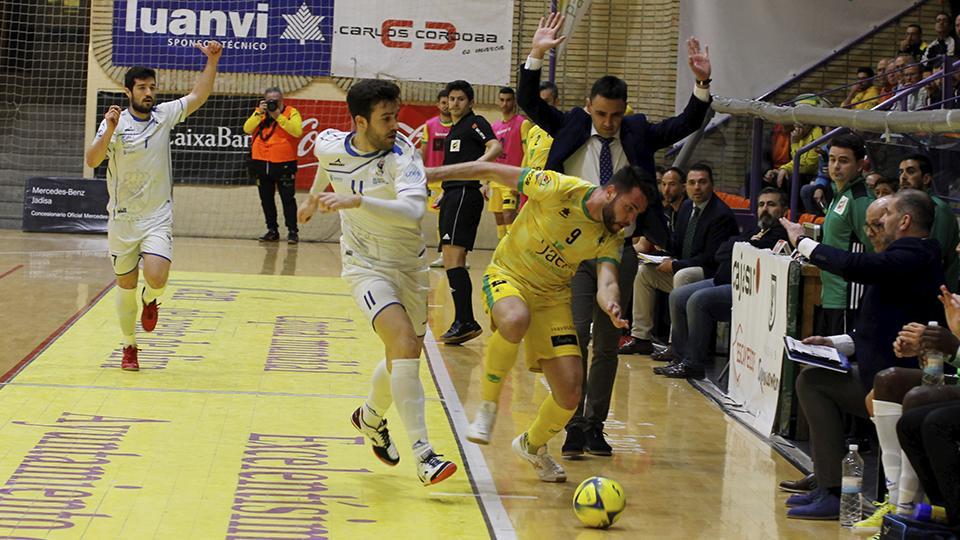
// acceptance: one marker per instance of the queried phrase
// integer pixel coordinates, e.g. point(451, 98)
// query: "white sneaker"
point(547, 469)
point(482, 425)
point(431, 469)
point(437, 263)
point(379, 436)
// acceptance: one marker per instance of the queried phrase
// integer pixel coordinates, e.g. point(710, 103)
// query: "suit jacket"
point(640, 139)
point(902, 285)
point(716, 224)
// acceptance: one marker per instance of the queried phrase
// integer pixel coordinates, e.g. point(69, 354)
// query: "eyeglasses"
point(876, 226)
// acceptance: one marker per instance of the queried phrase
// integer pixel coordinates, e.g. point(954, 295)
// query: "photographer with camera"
point(276, 130)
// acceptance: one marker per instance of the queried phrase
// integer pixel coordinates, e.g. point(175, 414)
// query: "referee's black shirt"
point(467, 141)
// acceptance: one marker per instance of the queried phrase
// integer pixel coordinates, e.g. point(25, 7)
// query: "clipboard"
point(816, 355)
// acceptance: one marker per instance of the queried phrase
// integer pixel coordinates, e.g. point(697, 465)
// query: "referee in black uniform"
point(471, 139)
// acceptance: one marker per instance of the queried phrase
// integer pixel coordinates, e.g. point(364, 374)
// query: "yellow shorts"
point(551, 333)
point(501, 199)
point(433, 192)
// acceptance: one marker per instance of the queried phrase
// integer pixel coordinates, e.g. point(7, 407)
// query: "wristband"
point(704, 83)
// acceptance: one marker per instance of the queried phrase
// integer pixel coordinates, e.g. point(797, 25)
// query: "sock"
point(380, 397)
point(550, 421)
point(498, 360)
point(506, 228)
point(909, 485)
point(501, 231)
point(125, 302)
point(408, 396)
point(150, 294)
point(885, 417)
point(462, 290)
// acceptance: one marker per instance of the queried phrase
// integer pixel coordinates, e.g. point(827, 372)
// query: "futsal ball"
point(598, 502)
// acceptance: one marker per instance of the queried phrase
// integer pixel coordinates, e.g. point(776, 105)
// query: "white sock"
point(125, 301)
point(150, 294)
point(909, 486)
point(408, 397)
point(380, 397)
point(885, 417)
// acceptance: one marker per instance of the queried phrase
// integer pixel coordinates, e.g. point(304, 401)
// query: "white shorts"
point(376, 288)
point(130, 240)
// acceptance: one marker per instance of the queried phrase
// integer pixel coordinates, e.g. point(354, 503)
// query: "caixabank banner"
point(419, 40)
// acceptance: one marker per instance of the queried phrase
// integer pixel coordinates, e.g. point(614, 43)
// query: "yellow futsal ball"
point(598, 502)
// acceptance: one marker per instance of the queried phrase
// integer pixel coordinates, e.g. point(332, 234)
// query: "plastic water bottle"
point(933, 368)
point(851, 488)
point(927, 512)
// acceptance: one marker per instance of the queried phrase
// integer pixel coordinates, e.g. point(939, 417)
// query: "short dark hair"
point(550, 85)
point(609, 87)
point(364, 95)
point(442, 94)
point(506, 90)
point(866, 69)
point(892, 182)
point(918, 205)
point(273, 89)
point(462, 86)
point(678, 170)
point(926, 166)
point(917, 26)
point(138, 72)
point(702, 167)
point(632, 176)
point(850, 141)
point(770, 189)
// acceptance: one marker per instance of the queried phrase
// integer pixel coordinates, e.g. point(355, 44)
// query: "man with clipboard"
point(902, 280)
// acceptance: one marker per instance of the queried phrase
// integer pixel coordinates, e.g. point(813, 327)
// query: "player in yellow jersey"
point(526, 288)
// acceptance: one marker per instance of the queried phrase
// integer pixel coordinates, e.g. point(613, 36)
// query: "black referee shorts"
point(460, 212)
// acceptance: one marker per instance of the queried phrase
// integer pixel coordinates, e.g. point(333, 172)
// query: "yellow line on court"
point(236, 427)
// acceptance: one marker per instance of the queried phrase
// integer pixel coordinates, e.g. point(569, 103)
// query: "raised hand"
point(112, 116)
point(951, 306)
point(794, 230)
point(546, 37)
point(213, 49)
point(699, 61)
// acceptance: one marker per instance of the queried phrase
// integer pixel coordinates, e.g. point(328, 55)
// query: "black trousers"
point(272, 177)
point(930, 436)
point(825, 396)
point(597, 385)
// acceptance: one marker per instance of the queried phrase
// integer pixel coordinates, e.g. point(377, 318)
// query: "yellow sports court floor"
point(237, 425)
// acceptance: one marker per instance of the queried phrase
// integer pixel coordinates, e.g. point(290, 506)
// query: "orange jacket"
point(276, 143)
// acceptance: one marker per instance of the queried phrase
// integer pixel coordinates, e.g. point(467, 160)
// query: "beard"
point(765, 221)
point(140, 107)
point(609, 218)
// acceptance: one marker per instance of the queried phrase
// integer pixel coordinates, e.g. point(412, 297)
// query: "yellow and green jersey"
point(536, 147)
point(552, 235)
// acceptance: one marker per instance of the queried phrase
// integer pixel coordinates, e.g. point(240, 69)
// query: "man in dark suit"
point(695, 308)
point(592, 143)
point(902, 280)
point(703, 224)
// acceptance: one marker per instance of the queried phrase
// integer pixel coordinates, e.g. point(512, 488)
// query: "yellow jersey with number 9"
point(552, 235)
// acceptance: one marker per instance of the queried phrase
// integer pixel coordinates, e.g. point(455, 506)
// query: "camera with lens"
point(272, 104)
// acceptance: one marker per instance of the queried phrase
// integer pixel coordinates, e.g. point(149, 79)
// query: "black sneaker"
point(271, 236)
point(596, 445)
point(573, 446)
point(461, 332)
point(293, 239)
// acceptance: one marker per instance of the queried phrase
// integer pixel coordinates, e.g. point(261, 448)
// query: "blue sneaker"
point(803, 499)
point(825, 507)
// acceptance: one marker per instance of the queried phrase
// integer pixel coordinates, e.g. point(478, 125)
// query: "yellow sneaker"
point(876, 519)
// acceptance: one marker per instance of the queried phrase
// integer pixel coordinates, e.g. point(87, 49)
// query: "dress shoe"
point(596, 445)
point(573, 446)
point(805, 484)
point(683, 371)
point(663, 355)
point(636, 346)
point(662, 370)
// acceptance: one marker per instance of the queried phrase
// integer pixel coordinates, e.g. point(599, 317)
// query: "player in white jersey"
point(380, 190)
point(136, 141)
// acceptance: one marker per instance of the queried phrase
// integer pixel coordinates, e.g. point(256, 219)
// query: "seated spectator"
point(884, 186)
point(912, 42)
point(817, 195)
point(801, 136)
point(671, 188)
point(943, 45)
point(863, 94)
point(703, 223)
point(887, 83)
point(911, 76)
point(695, 308)
point(916, 172)
point(871, 179)
point(901, 286)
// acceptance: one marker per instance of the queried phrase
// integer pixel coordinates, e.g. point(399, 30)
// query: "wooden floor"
point(688, 470)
